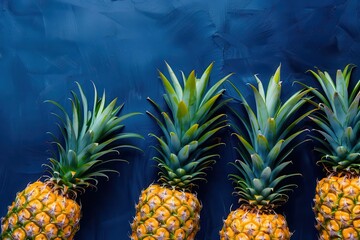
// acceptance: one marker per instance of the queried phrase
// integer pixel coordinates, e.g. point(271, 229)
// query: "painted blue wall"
point(46, 45)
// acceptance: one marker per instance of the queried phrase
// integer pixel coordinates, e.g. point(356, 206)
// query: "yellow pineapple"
point(337, 198)
point(244, 224)
point(266, 138)
point(170, 210)
point(47, 209)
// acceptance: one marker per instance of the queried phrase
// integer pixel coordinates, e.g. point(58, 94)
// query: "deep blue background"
point(46, 45)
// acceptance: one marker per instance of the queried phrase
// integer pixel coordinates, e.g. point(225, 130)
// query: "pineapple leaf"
point(272, 98)
point(174, 142)
point(262, 145)
point(290, 138)
point(347, 73)
point(170, 126)
point(160, 124)
point(202, 112)
point(173, 98)
point(190, 93)
point(244, 155)
point(257, 164)
point(182, 114)
point(328, 83)
point(174, 161)
point(353, 111)
point(207, 124)
point(324, 126)
point(244, 123)
point(261, 109)
point(290, 107)
point(260, 87)
point(212, 90)
point(316, 93)
point(355, 92)
point(156, 106)
point(184, 153)
point(278, 169)
point(341, 88)
point(175, 81)
point(258, 185)
point(294, 123)
point(274, 153)
point(277, 180)
point(246, 144)
point(190, 134)
point(165, 148)
point(84, 104)
point(265, 175)
point(333, 143)
point(209, 134)
point(339, 107)
point(333, 120)
point(270, 130)
point(202, 83)
point(75, 118)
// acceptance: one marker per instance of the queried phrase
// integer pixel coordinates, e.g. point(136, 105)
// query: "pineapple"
point(170, 210)
point(47, 208)
point(337, 198)
point(266, 137)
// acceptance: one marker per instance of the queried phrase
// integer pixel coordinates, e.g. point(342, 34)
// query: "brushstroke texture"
point(119, 44)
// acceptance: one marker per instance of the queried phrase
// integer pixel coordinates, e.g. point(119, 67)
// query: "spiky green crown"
point(339, 123)
point(186, 144)
point(266, 138)
point(88, 135)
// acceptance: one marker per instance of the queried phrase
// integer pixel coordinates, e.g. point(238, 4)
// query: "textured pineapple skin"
point(39, 213)
point(244, 225)
point(337, 207)
point(164, 213)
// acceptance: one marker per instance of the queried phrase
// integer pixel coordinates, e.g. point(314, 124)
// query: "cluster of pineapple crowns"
point(266, 135)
